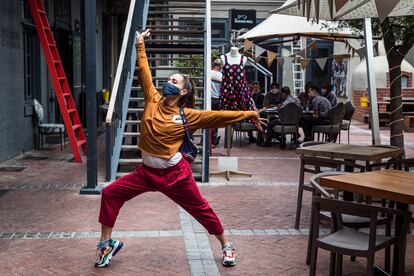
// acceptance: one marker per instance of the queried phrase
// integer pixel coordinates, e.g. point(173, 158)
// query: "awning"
point(279, 25)
point(355, 9)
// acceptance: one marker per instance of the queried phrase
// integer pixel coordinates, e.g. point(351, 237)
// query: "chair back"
point(336, 114)
point(349, 110)
point(290, 114)
point(39, 111)
point(315, 182)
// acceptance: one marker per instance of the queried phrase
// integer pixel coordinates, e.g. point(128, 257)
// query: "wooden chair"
point(351, 221)
point(336, 115)
point(316, 165)
point(347, 241)
point(289, 117)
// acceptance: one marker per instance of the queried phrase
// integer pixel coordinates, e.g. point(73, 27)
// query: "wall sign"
point(240, 19)
point(9, 39)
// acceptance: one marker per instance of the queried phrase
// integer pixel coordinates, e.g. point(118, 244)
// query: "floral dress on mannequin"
point(234, 90)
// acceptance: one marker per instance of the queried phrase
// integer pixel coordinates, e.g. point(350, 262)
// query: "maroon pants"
point(176, 182)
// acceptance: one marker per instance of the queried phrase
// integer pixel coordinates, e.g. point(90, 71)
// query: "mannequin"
point(233, 57)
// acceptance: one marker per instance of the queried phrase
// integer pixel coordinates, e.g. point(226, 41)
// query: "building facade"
point(24, 72)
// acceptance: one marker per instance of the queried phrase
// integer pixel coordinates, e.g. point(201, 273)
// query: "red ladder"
point(60, 82)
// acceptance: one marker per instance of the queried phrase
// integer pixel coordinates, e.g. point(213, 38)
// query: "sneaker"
point(229, 255)
point(217, 140)
point(107, 252)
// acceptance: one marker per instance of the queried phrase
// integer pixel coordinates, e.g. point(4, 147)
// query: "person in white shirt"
point(216, 78)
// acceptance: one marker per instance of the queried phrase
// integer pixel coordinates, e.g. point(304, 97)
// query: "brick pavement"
point(47, 228)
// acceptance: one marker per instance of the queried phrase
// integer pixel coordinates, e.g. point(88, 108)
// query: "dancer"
point(164, 168)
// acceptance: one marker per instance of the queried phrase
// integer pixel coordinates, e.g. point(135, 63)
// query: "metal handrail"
point(121, 60)
point(121, 91)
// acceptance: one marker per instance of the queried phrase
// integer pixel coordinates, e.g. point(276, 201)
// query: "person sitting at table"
point(273, 97)
point(328, 93)
point(257, 95)
point(321, 107)
point(287, 98)
point(304, 96)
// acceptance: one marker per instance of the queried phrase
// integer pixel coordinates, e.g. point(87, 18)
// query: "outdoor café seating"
point(317, 165)
point(333, 129)
point(350, 221)
point(289, 117)
point(347, 241)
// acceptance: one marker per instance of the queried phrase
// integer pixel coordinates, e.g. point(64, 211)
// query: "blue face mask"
point(170, 90)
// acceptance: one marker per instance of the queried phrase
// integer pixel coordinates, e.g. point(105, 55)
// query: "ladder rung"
point(75, 127)
point(71, 110)
point(66, 94)
point(46, 28)
point(81, 142)
point(56, 61)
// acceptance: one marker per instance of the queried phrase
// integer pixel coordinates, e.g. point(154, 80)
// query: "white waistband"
point(158, 162)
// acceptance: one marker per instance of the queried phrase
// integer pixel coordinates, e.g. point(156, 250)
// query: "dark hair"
point(327, 86)
point(307, 86)
point(187, 100)
point(316, 88)
point(274, 84)
point(255, 82)
point(285, 90)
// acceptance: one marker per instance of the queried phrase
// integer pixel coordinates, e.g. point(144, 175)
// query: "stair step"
point(131, 110)
point(177, 32)
point(172, 5)
point(138, 88)
point(174, 68)
point(194, 42)
point(174, 58)
point(175, 12)
point(175, 1)
point(130, 161)
point(192, 19)
point(129, 147)
point(200, 27)
point(132, 122)
point(132, 99)
point(132, 134)
point(175, 51)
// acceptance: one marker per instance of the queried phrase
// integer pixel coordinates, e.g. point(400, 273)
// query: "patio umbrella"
point(294, 26)
point(355, 9)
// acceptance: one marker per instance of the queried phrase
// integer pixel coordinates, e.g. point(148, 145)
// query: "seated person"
point(287, 98)
point(304, 96)
point(257, 95)
point(321, 107)
point(273, 97)
point(328, 93)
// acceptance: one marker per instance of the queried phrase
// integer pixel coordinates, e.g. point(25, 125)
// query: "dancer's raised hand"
point(139, 37)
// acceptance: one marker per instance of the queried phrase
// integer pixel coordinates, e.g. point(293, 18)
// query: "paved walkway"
point(47, 228)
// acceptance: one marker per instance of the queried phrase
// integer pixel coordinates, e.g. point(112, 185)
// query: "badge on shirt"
point(177, 119)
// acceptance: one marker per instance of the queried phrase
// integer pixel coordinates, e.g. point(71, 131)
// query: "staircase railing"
point(121, 90)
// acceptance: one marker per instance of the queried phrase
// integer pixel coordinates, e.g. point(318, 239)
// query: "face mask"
point(170, 90)
point(323, 91)
point(275, 90)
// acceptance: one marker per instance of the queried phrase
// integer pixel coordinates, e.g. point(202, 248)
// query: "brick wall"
point(381, 93)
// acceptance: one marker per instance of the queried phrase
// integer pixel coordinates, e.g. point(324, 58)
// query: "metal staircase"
point(176, 45)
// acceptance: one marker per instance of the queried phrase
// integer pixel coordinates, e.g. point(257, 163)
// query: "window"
point(219, 31)
point(30, 53)
point(62, 11)
point(26, 13)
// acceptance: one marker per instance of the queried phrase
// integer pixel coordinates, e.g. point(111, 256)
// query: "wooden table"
point(350, 152)
point(393, 185)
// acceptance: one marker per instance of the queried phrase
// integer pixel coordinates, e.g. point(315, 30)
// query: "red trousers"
point(176, 182)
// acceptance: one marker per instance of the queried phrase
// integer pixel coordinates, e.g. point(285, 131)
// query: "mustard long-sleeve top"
point(162, 130)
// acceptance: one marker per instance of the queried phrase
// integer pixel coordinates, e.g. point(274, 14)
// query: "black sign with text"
point(240, 19)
